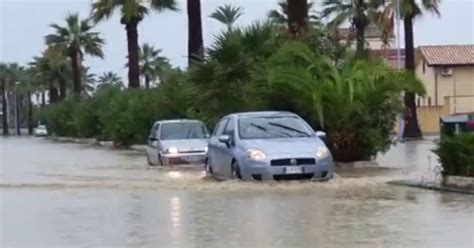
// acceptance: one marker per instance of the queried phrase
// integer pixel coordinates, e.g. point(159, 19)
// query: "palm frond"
point(227, 14)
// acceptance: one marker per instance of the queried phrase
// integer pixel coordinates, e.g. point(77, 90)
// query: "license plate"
point(192, 158)
point(294, 170)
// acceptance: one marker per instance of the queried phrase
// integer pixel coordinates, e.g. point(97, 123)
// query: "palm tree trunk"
point(412, 130)
point(360, 22)
point(43, 98)
point(62, 90)
point(147, 82)
point(297, 16)
point(30, 114)
point(195, 43)
point(53, 94)
point(76, 73)
point(133, 57)
point(4, 110)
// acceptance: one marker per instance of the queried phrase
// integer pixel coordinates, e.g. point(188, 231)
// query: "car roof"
point(177, 121)
point(262, 114)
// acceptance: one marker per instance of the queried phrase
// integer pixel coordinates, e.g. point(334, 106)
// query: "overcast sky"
point(24, 23)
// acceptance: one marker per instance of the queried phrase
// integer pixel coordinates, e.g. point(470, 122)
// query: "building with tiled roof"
point(448, 55)
point(447, 72)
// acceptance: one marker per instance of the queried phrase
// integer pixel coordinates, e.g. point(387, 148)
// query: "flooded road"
point(71, 195)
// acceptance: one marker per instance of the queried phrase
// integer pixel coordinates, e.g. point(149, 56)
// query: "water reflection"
point(67, 195)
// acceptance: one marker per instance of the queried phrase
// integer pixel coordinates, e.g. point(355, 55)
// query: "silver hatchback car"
point(177, 142)
point(267, 146)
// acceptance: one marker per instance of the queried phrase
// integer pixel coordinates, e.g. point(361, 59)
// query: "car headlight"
point(322, 152)
point(256, 154)
point(172, 150)
point(206, 149)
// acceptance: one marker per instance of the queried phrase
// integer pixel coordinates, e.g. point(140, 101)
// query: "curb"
point(108, 144)
point(431, 186)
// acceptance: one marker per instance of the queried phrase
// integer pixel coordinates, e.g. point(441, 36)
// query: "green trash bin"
point(457, 123)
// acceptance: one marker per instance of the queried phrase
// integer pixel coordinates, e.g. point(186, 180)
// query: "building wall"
point(377, 43)
point(459, 86)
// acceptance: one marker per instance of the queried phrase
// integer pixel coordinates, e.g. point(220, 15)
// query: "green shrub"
point(356, 104)
point(60, 118)
point(456, 154)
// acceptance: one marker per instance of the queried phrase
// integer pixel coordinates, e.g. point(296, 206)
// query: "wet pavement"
point(73, 195)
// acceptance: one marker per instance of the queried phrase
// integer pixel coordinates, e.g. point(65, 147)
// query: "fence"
point(429, 115)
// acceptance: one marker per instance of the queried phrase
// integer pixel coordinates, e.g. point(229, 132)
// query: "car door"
point(215, 146)
point(152, 145)
point(226, 150)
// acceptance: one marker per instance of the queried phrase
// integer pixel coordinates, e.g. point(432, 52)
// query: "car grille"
point(287, 161)
point(293, 177)
point(192, 151)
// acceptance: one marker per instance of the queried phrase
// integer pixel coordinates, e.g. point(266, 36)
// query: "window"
point(273, 127)
point(229, 129)
point(424, 67)
point(183, 130)
point(220, 127)
point(154, 129)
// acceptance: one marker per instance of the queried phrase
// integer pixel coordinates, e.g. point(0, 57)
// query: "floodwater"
point(71, 195)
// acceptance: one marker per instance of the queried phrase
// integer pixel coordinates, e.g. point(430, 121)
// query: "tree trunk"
point(18, 101)
point(53, 94)
point(297, 16)
point(195, 43)
point(133, 54)
point(30, 114)
point(147, 82)
point(412, 130)
point(76, 73)
point(360, 22)
point(43, 98)
point(62, 90)
point(4, 110)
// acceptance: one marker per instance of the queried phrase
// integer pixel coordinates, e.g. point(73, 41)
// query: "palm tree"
point(76, 39)
point(53, 68)
point(132, 11)
point(227, 15)
point(195, 43)
point(89, 80)
point(280, 16)
point(409, 10)
point(152, 64)
point(109, 79)
point(3, 78)
point(297, 16)
point(359, 12)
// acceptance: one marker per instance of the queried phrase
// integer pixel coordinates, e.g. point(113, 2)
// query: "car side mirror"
point(151, 138)
point(321, 134)
point(224, 139)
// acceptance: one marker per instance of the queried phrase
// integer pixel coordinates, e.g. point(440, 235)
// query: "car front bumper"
point(256, 171)
point(183, 158)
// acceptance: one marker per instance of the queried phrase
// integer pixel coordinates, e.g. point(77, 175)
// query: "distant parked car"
point(267, 146)
point(177, 142)
point(40, 130)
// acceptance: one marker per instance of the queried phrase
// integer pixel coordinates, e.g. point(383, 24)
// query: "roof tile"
point(448, 54)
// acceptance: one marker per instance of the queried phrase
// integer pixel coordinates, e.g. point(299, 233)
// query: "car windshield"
point(273, 127)
point(183, 130)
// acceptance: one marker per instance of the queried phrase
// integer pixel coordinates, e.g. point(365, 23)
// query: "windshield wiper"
point(266, 130)
point(289, 128)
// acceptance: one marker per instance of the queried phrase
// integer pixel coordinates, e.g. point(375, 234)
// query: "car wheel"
point(236, 170)
point(148, 160)
point(208, 168)
point(160, 162)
